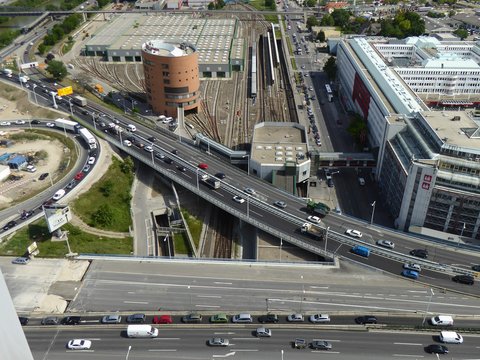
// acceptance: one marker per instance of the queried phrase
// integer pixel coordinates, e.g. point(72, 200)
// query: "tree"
point(103, 216)
point(321, 36)
point(127, 166)
point(330, 68)
point(312, 21)
point(327, 20)
point(107, 188)
point(461, 33)
point(359, 130)
point(211, 6)
point(310, 3)
point(57, 69)
point(341, 17)
point(219, 4)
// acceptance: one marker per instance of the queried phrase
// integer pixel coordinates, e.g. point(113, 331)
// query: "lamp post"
point(198, 186)
point(167, 240)
point(29, 119)
point(428, 306)
point(70, 104)
point(326, 238)
point(128, 352)
point(34, 93)
point(281, 243)
point(373, 211)
point(190, 294)
point(461, 234)
point(248, 163)
point(301, 295)
point(281, 352)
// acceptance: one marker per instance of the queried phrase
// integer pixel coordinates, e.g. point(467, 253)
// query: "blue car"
point(410, 274)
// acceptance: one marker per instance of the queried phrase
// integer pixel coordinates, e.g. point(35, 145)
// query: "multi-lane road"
point(189, 343)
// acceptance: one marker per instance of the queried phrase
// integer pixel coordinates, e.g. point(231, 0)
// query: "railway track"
point(223, 236)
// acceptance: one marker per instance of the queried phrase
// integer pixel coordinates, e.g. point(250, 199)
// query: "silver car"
point(218, 342)
point(263, 332)
point(249, 191)
point(295, 318)
point(111, 319)
point(412, 266)
point(21, 261)
point(386, 243)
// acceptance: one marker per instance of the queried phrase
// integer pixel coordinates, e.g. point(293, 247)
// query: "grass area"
point(294, 64)
point(109, 198)
point(290, 48)
point(80, 242)
point(180, 242)
point(195, 225)
point(67, 47)
point(278, 34)
point(271, 18)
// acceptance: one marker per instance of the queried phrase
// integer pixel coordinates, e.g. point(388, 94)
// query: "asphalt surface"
point(258, 208)
point(188, 343)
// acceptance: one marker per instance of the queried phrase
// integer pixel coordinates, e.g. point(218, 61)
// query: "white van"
point(139, 331)
point(451, 337)
point(131, 127)
point(127, 143)
point(441, 320)
point(242, 318)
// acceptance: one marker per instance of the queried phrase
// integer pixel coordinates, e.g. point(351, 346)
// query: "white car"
point(320, 318)
point(58, 195)
point(249, 191)
point(238, 199)
point(20, 122)
point(91, 160)
point(79, 344)
point(412, 266)
point(386, 243)
point(148, 149)
point(5, 123)
point(314, 219)
point(50, 125)
point(127, 143)
point(58, 97)
point(295, 318)
point(354, 233)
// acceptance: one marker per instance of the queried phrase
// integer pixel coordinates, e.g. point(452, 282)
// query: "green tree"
point(127, 166)
point(42, 48)
point(341, 17)
point(103, 216)
point(211, 6)
point(330, 68)
point(321, 36)
point(327, 20)
point(57, 69)
point(107, 188)
point(310, 3)
point(312, 21)
point(359, 130)
point(461, 33)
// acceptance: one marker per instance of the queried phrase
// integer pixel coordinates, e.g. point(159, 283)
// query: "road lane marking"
point(256, 213)
point(162, 349)
point(136, 302)
point(417, 291)
point(406, 355)
point(222, 283)
point(209, 306)
point(157, 338)
point(319, 287)
point(325, 352)
point(210, 296)
point(226, 355)
point(245, 349)
point(412, 344)
point(131, 292)
point(249, 338)
point(223, 333)
point(78, 351)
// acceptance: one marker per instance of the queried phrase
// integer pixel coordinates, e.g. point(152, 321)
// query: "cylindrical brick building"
point(171, 76)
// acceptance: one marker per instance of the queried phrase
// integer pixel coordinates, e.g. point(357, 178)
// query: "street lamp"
point(326, 238)
point(301, 297)
point(34, 93)
point(128, 352)
point(167, 240)
point(428, 306)
point(70, 104)
point(373, 211)
point(281, 352)
point(248, 162)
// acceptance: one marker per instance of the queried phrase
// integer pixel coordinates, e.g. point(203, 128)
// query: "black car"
point(268, 318)
point(367, 319)
point(136, 318)
point(168, 160)
point(220, 175)
point(152, 139)
point(71, 320)
point(9, 225)
point(421, 253)
point(476, 267)
point(329, 182)
point(71, 184)
point(174, 151)
point(436, 349)
point(26, 214)
point(85, 112)
point(464, 279)
point(182, 168)
point(23, 320)
point(35, 122)
point(43, 176)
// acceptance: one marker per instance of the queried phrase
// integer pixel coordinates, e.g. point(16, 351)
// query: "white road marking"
point(209, 306)
point(417, 291)
point(245, 349)
point(222, 283)
point(319, 287)
point(223, 333)
point(209, 296)
point(157, 338)
point(78, 351)
point(413, 344)
point(136, 302)
point(256, 213)
point(405, 355)
point(325, 352)
point(249, 338)
point(162, 349)
point(131, 292)
point(89, 321)
point(226, 355)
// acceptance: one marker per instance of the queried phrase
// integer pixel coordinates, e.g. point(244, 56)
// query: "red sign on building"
point(361, 95)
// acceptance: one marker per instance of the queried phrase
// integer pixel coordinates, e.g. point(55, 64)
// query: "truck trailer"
point(88, 137)
point(361, 250)
point(65, 124)
point(313, 231)
point(139, 331)
point(318, 208)
point(79, 100)
point(212, 182)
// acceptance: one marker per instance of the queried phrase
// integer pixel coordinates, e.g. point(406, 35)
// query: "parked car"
point(91, 160)
point(26, 214)
point(320, 345)
point(79, 344)
point(71, 184)
point(50, 320)
point(464, 279)
point(111, 319)
point(86, 168)
point(21, 260)
point(476, 267)
point(71, 320)
point(136, 318)
point(421, 253)
point(218, 342)
point(192, 318)
point(295, 318)
point(79, 176)
point(354, 233)
point(162, 319)
point(58, 195)
point(366, 319)
point(43, 176)
point(268, 318)
point(219, 318)
point(319, 318)
point(386, 243)
point(23, 320)
point(299, 343)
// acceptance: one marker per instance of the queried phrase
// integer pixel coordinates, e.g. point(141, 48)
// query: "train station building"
point(426, 141)
point(221, 50)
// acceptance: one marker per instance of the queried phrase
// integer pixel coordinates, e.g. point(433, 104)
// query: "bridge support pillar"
point(84, 15)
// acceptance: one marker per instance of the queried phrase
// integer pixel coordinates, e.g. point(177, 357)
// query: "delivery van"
point(361, 250)
point(141, 331)
point(451, 337)
point(131, 128)
point(441, 320)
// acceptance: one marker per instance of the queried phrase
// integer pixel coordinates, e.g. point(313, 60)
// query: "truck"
point(313, 231)
point(7, 72)
point(79, 100)
point(361, 250)
point(88, 137)
point(318, 208)
point(212, 182)
point(65, 124)
point(139, 331)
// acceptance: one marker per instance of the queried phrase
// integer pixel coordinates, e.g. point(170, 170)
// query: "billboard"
point(29, 65)
point(57, 216)
point(65, 91)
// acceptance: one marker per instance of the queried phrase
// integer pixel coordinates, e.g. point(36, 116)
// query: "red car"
point(203, 166)
point(162, 319)
point(79, 176)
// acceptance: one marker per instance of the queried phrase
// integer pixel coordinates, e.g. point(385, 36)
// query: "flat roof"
point(278, 143)
point(454, 127)
point(167, 49)
point(212, 37)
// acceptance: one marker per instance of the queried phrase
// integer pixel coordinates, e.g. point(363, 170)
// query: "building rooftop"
point(279, 143)
point(455, 128)
point(162, 48)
